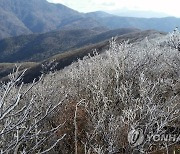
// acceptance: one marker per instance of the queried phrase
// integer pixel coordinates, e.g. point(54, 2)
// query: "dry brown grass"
point(66, 114)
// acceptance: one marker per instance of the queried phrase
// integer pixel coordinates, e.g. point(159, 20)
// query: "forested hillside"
point(38, 47)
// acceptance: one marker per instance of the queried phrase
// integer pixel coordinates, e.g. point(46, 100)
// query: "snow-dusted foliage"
point(107, 95)
point(174, 39)
point(23, 120)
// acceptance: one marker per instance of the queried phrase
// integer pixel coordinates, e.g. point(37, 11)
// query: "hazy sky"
point(170, 7)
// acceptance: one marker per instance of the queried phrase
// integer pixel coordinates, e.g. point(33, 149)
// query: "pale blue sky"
point(170, 7)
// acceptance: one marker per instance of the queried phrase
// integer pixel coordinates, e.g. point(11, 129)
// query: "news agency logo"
point(136, 137)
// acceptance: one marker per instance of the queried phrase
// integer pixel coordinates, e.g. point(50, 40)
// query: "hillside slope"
point(99, 100)
point(37, 47)
point(38, 16)
point(62, 60)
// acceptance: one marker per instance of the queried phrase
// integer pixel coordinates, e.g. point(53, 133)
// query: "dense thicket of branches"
point(23, 120)
point(91, 105)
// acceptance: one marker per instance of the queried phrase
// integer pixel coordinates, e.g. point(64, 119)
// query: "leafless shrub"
point(137, 79)
point(174, 39)
point(22, 120)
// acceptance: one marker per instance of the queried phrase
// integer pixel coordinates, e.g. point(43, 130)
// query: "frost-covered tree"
point(174, 39)
point(23, 121)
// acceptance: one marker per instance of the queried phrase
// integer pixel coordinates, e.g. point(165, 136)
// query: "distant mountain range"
point(138, 13)
point(166, 24)
point(22, 17)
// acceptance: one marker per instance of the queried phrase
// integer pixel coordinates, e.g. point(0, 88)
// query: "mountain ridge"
point(40, 16)
point(37, 47)
point(62, 60)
